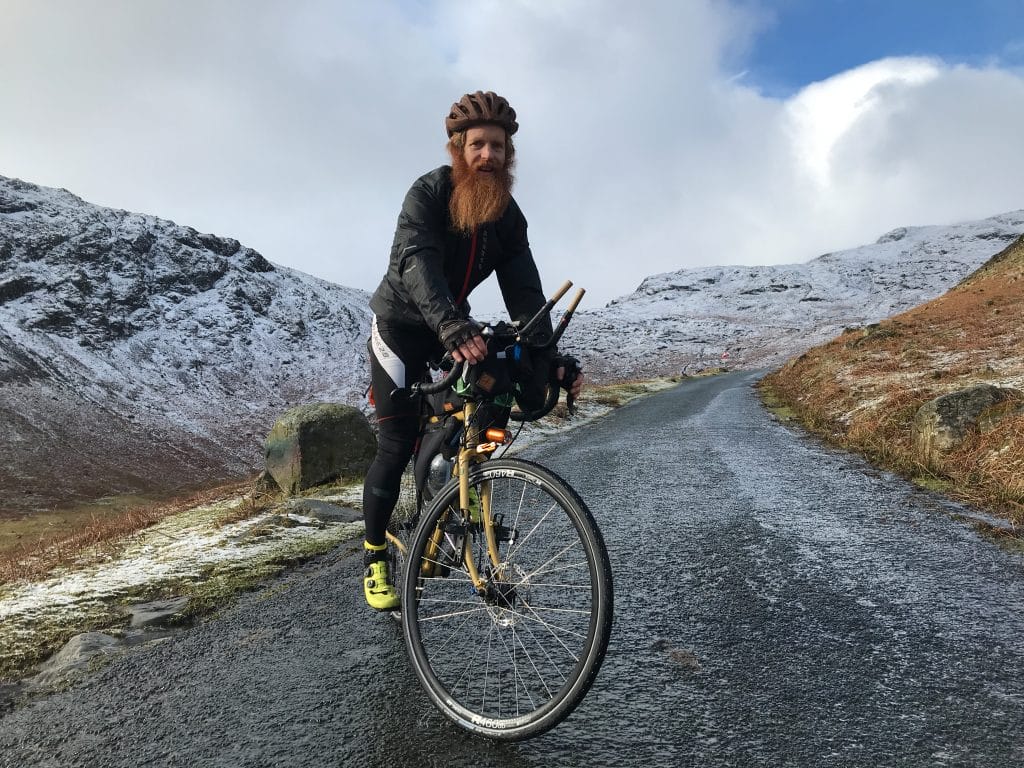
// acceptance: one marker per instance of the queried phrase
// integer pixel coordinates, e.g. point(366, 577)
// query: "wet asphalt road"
point(777, 604)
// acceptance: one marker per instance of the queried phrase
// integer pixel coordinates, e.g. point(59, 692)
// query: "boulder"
point(76, 655)
point(157, 613)
point(942, 424)
point(312, 444)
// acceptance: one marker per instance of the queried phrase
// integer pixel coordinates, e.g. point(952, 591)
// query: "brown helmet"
point(476, 108)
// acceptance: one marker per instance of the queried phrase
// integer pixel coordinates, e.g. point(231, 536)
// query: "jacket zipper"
point(469, 269)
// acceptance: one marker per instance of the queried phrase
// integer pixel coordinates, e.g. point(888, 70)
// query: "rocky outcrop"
point(942, 424)
point(312, 444)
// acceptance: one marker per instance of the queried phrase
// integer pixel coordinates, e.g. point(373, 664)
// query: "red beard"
point(477, 198)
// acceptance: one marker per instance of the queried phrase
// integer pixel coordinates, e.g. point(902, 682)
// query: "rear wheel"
point(399, 536)
point(511, 656)
point(400, 532)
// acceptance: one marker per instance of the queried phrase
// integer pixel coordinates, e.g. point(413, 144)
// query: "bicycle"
point(506, 589)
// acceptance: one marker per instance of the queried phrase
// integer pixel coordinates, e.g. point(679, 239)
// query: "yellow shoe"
point(377, 587)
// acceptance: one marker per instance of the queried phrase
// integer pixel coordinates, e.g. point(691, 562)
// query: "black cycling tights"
point(398, 357)
point(384, 477)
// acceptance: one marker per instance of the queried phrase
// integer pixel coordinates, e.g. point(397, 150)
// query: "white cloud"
point(824, 112)
point(298, 127)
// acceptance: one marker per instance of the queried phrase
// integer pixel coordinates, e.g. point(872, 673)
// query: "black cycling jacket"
point(433, 269)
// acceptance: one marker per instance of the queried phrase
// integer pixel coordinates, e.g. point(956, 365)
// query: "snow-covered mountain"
point(137, 354)
point(759, 316)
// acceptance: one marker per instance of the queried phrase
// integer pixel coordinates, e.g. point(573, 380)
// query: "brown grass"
point(97, 534)
point(862, 389)
point(32, 547)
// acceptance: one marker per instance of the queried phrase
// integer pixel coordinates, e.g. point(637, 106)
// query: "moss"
point(775, 404)
point(25, 645)
point(932, 483)
point(28, 639)
point(217, 586)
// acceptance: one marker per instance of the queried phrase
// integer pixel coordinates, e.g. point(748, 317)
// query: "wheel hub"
point(507, 588)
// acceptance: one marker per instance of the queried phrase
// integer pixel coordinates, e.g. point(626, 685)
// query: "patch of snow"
point(179, 550)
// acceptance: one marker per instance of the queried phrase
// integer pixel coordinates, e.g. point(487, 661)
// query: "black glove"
point(572, 369)
point(572, 372)
point(455, 333)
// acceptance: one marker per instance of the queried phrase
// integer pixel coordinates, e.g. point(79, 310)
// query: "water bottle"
point(440, 473)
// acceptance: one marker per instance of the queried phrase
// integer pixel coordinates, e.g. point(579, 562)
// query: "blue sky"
point(654, 135)
point(805, 41)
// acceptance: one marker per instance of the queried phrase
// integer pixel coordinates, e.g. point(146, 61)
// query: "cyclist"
point(458, 224)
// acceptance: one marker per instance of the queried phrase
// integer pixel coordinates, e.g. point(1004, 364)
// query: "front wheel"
point(510, 656)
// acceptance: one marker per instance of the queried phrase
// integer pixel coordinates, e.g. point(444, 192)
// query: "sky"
point(654, 135)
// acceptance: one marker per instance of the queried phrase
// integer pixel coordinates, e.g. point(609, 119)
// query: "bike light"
point(497, 435)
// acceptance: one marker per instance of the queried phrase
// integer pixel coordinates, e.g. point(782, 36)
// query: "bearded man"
point(458, 224)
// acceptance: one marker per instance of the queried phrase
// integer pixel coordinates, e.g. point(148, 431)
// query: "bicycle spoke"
point(449, 614)
point(522, 542)
point(543, 649)
point(540, 569)
point(510, 653)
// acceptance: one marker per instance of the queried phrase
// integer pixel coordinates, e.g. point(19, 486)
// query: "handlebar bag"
point(490, 377)
point(532, 373)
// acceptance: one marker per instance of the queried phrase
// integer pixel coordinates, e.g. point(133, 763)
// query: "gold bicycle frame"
point(471, 451)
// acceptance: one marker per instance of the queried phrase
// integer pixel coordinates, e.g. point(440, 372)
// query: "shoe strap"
point(375, 555)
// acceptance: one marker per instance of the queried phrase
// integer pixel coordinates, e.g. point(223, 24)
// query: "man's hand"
point(576, 388)
point(463, 340)
point(472, 351)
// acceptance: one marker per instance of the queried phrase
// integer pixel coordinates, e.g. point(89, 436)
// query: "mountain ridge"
point(762, 315)
point(140, 355)
point(137, 354)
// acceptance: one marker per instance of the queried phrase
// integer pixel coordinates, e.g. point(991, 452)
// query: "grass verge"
point(83, 573)
point(33, 546)
point(193, 554)
point(968, 474)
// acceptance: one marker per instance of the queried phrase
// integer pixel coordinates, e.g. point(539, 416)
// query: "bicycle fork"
point(476, 511)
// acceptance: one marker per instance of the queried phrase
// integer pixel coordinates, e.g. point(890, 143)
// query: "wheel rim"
point(512, 653)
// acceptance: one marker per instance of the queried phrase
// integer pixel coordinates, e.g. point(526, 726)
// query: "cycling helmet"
point(476, 108)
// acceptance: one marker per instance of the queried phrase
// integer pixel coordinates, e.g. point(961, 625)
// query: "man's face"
point(485, 148)
point(481, 177)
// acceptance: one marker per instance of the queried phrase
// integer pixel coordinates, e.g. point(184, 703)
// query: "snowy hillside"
point(759, 316)
point(138, 354)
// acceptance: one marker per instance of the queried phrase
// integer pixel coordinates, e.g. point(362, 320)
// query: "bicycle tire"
point(514, 662)
point(397, 558)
